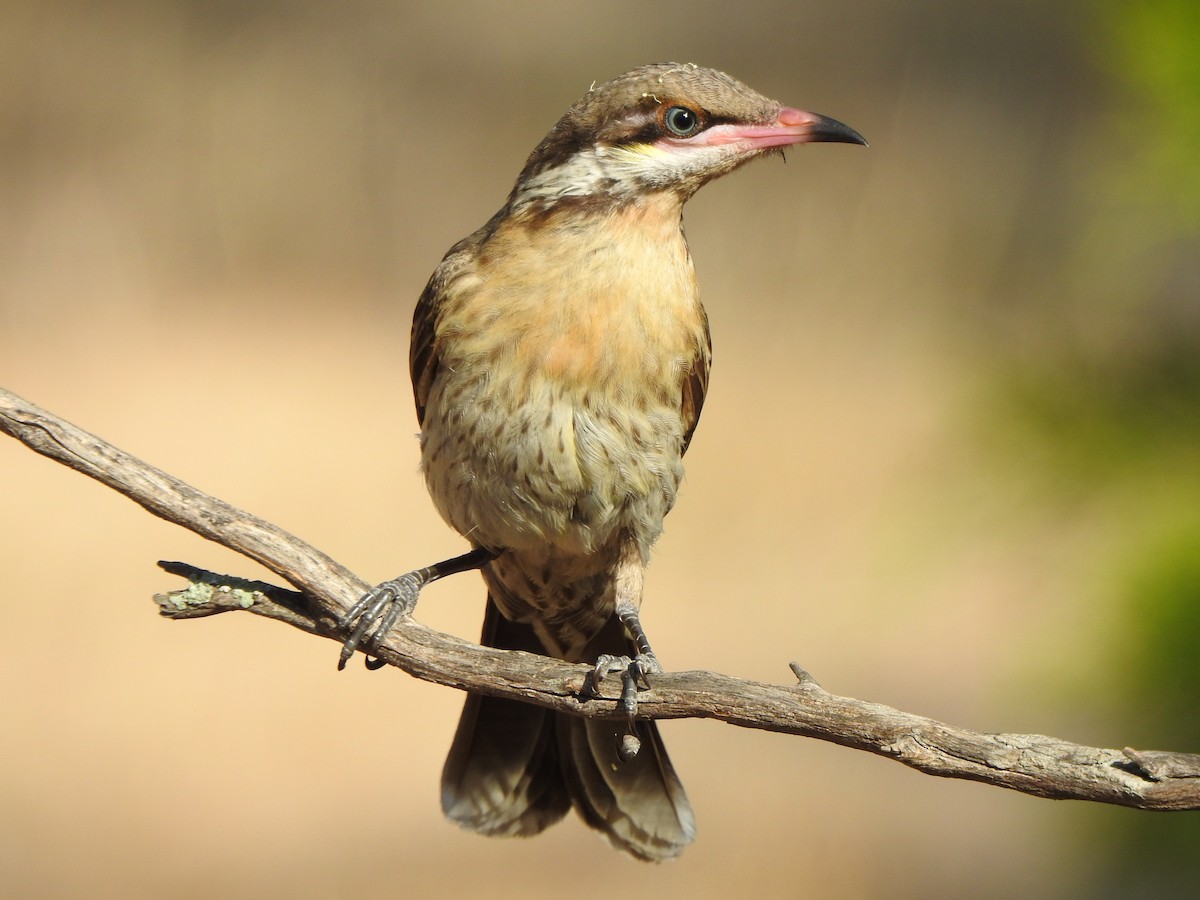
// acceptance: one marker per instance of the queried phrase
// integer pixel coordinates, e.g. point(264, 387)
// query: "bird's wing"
point(695, 386)
point(423, 350)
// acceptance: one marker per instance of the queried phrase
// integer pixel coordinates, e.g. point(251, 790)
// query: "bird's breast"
point(555, 416)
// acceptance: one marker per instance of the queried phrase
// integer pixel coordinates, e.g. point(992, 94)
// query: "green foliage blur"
point(1110, 414)
point(1110, 401)
point(1152, 50)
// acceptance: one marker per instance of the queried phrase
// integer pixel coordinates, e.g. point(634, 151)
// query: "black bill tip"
point(834, 132)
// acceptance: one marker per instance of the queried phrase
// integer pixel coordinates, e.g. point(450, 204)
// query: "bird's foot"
point(373, 616)
point(633, 670)
point(377, 611)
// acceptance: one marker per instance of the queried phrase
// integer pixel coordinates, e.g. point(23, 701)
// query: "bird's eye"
point(681, 121)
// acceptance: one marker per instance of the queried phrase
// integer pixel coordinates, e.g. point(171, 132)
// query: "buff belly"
point(552, 470)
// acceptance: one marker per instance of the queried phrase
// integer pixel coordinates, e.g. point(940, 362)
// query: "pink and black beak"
point(812, 127)
point(791, 126)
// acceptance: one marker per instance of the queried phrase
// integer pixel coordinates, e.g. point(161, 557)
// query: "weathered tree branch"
point(1034, 764)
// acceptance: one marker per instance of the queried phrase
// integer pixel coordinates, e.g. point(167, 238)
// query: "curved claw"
point(643, 665)
point(377, 611)
point(607, 664)
point(633, 669)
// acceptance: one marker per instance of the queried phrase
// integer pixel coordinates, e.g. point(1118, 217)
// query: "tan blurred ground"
point(214, 222)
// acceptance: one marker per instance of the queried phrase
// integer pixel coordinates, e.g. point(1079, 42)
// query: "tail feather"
point(515, 769)
point(502, 775)
point(638, 804)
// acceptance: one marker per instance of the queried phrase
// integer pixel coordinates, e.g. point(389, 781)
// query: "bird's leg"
point(382, 606)
point(628, 580)
point(632, 670)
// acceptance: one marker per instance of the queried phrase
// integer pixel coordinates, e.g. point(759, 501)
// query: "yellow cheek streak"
point(636, 153)
point(644, 163)
point(647, 149)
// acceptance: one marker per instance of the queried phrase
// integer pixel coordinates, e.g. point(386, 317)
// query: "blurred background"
point(948, 462)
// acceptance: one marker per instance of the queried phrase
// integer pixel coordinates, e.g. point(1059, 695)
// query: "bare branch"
point(1034, 764)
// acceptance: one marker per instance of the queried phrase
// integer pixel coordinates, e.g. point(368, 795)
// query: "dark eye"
point(681, 121)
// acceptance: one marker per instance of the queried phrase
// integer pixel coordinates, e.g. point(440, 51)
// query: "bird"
point(560, 358)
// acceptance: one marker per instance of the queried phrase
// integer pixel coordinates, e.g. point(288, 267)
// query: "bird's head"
point(665, 128)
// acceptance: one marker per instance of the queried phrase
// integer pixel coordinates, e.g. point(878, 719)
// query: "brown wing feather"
point(695, 386)
point(423, 350)
point(424, 357)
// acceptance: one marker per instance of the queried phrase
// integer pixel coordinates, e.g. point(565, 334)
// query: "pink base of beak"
point(791, 126)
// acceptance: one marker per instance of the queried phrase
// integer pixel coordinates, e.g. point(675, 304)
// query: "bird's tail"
point(515, 769)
